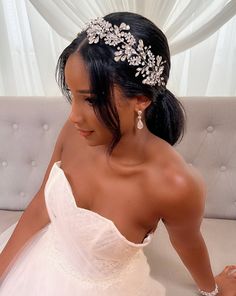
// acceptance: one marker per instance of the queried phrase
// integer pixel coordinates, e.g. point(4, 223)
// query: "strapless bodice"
point(84, 238)
point(79, 252)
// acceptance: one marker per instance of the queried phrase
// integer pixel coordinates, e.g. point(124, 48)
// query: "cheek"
point(125, 109)
point(127, 120)
point(103, 134)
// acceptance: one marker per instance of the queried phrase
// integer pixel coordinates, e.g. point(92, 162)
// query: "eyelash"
point(90, 100)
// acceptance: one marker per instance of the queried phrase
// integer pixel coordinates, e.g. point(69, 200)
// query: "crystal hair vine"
point(149, 66)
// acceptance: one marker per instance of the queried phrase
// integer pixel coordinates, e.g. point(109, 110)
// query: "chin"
point(104, 144)
point(92, 144)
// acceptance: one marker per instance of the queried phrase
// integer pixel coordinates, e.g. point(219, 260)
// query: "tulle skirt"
point(36, 272)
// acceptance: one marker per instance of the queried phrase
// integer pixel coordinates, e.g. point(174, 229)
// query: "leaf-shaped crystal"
point(152, 67)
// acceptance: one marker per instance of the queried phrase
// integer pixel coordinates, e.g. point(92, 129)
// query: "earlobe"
point(142, 103)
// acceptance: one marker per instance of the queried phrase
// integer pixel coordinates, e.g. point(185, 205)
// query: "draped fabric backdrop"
point(201, 36)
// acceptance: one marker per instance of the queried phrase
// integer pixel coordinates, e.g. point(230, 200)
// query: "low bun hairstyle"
point(164, 117)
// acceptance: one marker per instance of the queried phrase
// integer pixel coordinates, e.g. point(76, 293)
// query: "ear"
point(141, 103)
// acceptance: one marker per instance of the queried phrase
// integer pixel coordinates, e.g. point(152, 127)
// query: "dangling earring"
point(140, 123)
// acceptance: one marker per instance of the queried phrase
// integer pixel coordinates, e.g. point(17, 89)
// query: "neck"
point(131, 150)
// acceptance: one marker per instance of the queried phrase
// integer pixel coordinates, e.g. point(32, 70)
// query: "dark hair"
point(164, 117)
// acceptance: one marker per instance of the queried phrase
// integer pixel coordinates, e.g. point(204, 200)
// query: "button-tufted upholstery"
point(210, 146)
point(28, 130)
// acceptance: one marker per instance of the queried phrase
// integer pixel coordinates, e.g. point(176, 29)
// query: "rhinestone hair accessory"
point(136, 54)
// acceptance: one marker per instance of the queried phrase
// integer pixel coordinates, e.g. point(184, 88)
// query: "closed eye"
point(91, 101)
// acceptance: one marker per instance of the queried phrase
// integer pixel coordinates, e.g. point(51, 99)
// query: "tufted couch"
point(28, 130)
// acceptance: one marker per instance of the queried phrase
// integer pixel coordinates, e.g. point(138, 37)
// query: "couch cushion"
point(209, 145)
point(8, 218)
point(29, 127)
point(166, 266)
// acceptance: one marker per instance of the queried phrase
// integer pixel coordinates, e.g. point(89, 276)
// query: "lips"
point(82, 131)
point(85, 133)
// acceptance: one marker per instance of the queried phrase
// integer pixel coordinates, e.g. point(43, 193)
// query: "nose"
point(76, 116)
point(75, 119)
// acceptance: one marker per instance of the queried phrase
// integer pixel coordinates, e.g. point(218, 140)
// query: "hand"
point(226, 281)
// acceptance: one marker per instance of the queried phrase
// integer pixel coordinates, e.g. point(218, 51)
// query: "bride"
point(112, 177)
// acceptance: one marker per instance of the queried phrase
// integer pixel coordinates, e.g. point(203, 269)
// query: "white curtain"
point(200, 33)
point(29, 49)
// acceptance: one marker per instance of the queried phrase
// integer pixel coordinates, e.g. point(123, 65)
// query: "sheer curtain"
point(200, 33)
point(29, 49)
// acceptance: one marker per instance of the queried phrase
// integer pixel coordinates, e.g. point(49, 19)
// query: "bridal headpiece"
point(136, 53)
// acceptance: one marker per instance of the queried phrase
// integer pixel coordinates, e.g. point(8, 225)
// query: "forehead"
point(77, 76)
point(76, 72)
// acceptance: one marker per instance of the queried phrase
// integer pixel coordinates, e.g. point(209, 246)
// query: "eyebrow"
point(83, 91)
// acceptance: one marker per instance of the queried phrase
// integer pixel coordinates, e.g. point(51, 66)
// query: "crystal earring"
point(140, 123)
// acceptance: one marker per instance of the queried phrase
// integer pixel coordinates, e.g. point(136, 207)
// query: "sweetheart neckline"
point(146, 239)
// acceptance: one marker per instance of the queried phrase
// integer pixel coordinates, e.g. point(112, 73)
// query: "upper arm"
point(184, 209)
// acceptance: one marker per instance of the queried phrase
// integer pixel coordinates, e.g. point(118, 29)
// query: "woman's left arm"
point(182, 215)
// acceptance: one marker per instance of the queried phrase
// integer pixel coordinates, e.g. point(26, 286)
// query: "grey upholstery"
point(28, 130)
point(210, 146)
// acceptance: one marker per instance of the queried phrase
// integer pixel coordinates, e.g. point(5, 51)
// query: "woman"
point(113, 176)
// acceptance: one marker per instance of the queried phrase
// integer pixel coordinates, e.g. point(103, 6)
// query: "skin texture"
point(143, 181)
point(140, 158)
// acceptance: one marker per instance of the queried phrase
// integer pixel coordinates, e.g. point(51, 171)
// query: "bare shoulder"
point(181, 190)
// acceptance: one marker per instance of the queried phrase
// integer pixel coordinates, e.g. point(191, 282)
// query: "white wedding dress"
point(78, 253)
